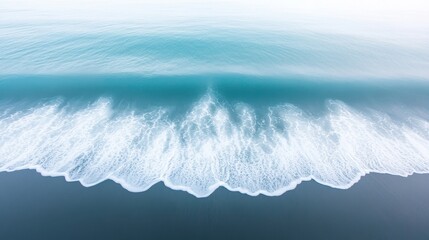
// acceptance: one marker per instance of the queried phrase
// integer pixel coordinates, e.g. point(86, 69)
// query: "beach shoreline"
point(379, 206)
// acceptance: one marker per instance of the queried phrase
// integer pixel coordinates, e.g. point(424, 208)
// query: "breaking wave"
point(212, 144)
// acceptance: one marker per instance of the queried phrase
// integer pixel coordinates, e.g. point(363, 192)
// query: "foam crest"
point(214, 144)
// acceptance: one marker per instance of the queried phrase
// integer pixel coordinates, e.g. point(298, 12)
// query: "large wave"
point(212, 144)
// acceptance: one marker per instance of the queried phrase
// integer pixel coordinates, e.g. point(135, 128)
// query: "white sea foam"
point(212, 145)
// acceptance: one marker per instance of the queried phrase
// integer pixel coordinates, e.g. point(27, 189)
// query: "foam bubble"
point(212, 145)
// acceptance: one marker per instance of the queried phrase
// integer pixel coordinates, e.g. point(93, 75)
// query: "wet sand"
point(377, 207)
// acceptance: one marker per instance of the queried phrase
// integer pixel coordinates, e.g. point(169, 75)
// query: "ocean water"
point(252, 97)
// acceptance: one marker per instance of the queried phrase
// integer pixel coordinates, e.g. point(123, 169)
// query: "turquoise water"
point(205, 98)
